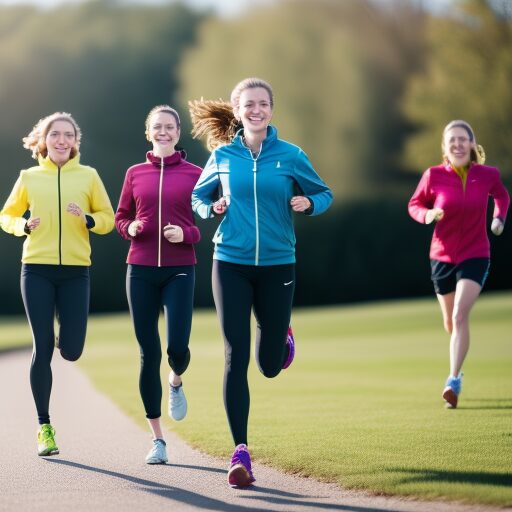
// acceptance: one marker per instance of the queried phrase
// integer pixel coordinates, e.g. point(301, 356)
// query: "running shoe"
point(290, 344)
point(452, 391)
point(240, 471)
point(177, 403)
point(158, 453)
point(46, 441)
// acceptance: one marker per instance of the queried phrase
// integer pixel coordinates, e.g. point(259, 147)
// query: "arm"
point(206, 189)
point(125, 213)
point(501, 204)
point(101, 209)
point(312, 186)
point(16, 205)
point(422, 200)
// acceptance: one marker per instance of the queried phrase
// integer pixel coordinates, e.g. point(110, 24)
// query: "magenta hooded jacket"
point(462, 233)
point(158, 193)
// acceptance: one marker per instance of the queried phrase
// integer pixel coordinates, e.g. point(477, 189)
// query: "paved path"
point(101, 465)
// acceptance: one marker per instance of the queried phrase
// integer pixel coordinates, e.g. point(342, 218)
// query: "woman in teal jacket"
point(256, 181)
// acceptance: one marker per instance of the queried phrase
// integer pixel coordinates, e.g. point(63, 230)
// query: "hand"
point(173, 234)
point(220, 206)
point(135, 228)
point(300, 203)
point(32, 223)
point(434, 215)
point(74, 209)
point(497, 226)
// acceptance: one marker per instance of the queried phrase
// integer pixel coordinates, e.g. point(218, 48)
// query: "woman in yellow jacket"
point(63, 200)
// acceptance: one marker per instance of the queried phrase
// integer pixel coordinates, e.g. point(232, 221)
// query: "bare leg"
point(446, 302)
point(174, 380)
point(466, 293)
point(156, 428)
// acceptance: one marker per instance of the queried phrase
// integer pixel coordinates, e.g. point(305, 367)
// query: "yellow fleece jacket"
point(46, 190)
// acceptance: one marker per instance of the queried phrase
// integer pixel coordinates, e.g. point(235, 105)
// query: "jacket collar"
point(173, 159)
point(46, 163)
point(271, 136)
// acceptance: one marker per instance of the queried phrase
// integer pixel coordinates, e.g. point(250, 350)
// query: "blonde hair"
point(216, 119)
point(35, 141)
point(161, 108)
point(477, 154)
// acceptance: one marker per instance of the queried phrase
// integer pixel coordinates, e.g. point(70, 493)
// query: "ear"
point(236, 113)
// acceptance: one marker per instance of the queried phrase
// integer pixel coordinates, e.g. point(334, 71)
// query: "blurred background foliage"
point(364, 87)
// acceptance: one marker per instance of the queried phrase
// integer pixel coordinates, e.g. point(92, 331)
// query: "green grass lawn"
point(360, 406)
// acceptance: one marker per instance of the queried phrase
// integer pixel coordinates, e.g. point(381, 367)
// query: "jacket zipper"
point(256, 219)
point(461, 236)
point(160, 212)
point(60, 215)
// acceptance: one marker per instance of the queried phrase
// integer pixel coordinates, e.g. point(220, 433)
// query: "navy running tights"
point(149, 289)
point(48, 290)
point(268, 291)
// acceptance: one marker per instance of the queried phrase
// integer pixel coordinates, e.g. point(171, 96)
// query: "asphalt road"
point(101, 463)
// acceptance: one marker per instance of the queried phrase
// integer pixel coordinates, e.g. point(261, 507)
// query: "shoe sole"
point(451, 398)
point(238, 476)
point(153, 462)
point(48, 453)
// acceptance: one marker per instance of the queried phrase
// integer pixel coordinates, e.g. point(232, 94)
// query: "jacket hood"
point(173, 159)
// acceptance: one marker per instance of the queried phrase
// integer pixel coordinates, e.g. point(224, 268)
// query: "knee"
point(270, 372)
point(70, 355)
point(459, 317)
point(448, 325)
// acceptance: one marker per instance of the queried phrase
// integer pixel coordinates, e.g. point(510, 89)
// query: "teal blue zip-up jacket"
point(257, 228)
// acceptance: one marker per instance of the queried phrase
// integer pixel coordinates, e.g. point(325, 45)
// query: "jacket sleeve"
point(422, 199)
point(191, 235)
point(16, 205)
point(206, 189)
point(101, 208)
point(126, 210)
point(311, 185)
point(501, 199)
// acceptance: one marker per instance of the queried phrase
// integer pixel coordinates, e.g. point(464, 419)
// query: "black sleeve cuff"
point(310, 210)
point(89, 222)
point(26, 229)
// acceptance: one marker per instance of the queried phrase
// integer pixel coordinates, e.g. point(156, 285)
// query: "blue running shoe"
point(290, 344)
point(240, 470)
point(157, 454)
point(452, 391)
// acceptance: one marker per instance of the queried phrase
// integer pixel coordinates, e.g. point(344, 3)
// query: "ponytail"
point(213, 119)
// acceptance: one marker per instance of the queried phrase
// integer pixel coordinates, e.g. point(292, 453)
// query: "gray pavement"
point(101, 462)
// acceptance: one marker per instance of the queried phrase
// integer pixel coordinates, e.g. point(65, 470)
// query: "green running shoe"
point(46, 441)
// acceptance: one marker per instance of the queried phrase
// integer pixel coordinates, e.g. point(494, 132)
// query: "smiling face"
point(164, 133)
point(457, 146)
point(254, 110)
point(60, 141)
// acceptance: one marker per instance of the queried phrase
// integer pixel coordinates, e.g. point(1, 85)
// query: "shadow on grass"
point(459, 477)
point(203, 502)
point(486, 403)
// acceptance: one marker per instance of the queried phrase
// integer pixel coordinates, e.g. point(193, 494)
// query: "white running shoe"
point(177, 403)
point(157, 454)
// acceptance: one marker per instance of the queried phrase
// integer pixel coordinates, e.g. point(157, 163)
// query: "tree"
point(467, 75)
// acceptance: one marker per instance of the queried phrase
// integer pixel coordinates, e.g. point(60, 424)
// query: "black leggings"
point(48, 290)
point(148, 289)
point(237, 289)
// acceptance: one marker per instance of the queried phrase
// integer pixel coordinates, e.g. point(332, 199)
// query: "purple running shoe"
point(240, 472)
point(290, 343)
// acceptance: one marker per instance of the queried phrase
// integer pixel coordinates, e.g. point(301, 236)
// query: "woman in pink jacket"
point(155, 214)
point(455, 195)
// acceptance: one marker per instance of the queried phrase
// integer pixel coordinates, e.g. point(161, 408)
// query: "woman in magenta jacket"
point(155, 214)
point(455, 196)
